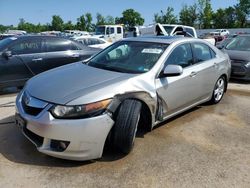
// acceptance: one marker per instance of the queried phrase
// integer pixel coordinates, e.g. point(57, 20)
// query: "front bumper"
point(239, 71)
point(86, 137)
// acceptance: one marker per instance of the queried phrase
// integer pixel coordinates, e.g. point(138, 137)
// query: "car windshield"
point(241, 43)
point(100, 30)
point(5, 42)
point(129, 57)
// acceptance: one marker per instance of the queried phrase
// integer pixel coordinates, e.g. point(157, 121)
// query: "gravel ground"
point(209, 146)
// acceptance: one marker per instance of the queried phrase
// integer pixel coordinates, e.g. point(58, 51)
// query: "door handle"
point(215, 64)
point(37, 59)
point(193, 74)
point(75, 55)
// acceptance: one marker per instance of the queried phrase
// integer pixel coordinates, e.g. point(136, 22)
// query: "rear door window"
point(202, 52)
point(58, 44)
point(27, 46)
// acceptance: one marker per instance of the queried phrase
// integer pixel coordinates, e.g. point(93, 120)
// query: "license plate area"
point(20, 122)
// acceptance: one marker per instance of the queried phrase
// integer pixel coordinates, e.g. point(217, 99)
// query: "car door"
point(60, 52)
point(15, 69)
point(34, 55)
point(180, 92)
point(207, 67)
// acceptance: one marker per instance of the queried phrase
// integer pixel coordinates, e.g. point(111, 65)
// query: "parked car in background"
point(4, 36)
point(209, 38)
point(239, 52)
point(221, 32)
point(93, 42)
point(25, 56)
point(222, 44)
point(137, 80)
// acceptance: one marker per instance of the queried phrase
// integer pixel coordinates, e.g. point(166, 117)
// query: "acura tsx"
point(71, 111)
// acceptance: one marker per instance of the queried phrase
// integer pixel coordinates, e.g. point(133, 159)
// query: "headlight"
point(247, 65)
point(79, 111)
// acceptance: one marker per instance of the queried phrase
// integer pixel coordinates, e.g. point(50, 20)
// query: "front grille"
point(31, 105)
point(31, 110)
point(38, 140)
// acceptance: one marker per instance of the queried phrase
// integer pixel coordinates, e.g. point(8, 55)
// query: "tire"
point(126, 123)
point(219, 90)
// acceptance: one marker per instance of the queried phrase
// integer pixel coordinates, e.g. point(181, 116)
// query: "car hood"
point(67, 83)
point(238, 55)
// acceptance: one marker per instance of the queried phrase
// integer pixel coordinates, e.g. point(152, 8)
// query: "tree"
point(26, 26)
point(188, 15)
point(219, 18)
point(81, 23)
point(131, 18)
point(4, 28)
point(166, 18)
point(243, 12)
point(57, 23)
point(230, 17)
point(69, 26)
point(205, 13)
point(109, 20)
point(208, 13)
point(100, 20)
point(88, 19)
point(21, 23)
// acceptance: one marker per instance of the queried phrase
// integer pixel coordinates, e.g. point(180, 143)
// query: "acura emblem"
point(27, 99)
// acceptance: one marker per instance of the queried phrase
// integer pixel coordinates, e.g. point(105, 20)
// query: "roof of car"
point(34, 35)
point(159, 39)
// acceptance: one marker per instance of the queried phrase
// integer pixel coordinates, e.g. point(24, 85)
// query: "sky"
point(41, 11)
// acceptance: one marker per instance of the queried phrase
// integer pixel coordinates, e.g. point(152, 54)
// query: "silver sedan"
point(72, 111)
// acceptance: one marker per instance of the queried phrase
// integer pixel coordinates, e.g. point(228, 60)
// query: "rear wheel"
point(219, 90)
point(126, 124)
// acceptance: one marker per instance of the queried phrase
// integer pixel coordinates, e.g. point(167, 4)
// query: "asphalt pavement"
point(208, 146)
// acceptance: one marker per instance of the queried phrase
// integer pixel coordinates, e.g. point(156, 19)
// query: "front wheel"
point(126, 123)
point(219, 90)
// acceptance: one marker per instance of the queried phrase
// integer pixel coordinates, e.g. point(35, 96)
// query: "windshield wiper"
point(114, 69)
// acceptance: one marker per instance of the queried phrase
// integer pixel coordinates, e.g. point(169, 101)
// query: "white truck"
point(166, 30)
point(111, 33)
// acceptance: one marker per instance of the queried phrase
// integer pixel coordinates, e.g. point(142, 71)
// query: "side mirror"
point(7, 54)
point(172, 70)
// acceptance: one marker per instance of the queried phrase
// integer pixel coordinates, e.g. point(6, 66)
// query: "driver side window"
point(181, 55)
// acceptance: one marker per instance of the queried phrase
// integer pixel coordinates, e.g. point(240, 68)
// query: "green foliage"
point(242, 10)
point(188, 15)
point(100, 20)
point(69, 26)
point(81, 23)
point(166, 18)
point(109, 20)
point(205, 14)
point(5, 28)
point(130, 17)
point(88, 19)
point(57, 23)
